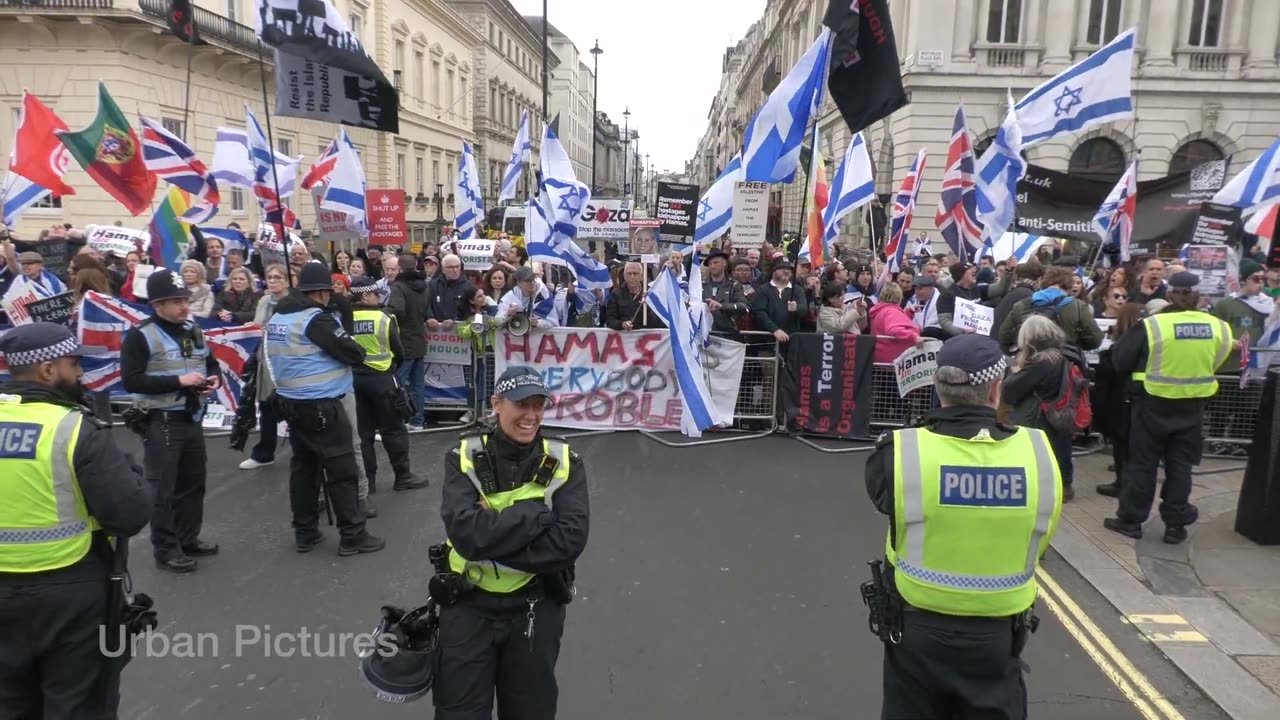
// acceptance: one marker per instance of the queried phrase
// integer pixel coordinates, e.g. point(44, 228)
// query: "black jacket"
point(527, 536)
point(733, 303)
point(393, 338)
point(1023, 290)
point(408, 302)
point(623, 306)
point(134, 354)
point(769, 308)
point(109, 480)
point(324, 330)
point(445, 296)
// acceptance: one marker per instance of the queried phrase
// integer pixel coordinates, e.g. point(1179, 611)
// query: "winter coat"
point(408, 303)
point(1074, 316)
point(1244, 321)
point(242, 306)
point(769, 308)
point(885, 320)
point(201, 301)
point(833, 321)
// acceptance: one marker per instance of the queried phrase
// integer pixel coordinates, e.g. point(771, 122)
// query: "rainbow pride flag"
point(169, 235)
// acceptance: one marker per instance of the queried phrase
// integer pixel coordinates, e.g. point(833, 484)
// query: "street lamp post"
point(644, 186)
point(439, 209)
point(626, 149)
point(595, 102)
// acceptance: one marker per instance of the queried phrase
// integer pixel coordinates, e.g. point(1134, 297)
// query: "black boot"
point(1109, 489)
point(409, 482)
point(363, 543)
point(1128, 529)
point(1175, 534)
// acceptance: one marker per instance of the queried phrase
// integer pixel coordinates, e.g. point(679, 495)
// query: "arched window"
point(1194, 153)
point(1097, 159)
point(982, 145)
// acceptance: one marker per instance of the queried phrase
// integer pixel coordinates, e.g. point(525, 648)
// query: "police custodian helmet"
point(166, 284)
point(314, 276)
point(401, 668)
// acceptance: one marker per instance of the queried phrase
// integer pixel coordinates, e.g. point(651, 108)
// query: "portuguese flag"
point(110, 152)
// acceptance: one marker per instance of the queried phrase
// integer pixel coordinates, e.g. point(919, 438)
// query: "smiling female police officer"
point(972, 505)
point(517, 513)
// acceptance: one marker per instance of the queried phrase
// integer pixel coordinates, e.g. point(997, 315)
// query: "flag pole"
point(275, 179)
point(804, 199)
point(186, 102)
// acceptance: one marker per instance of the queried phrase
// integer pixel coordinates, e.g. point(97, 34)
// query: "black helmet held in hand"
point(401, 666)
point(314, 276)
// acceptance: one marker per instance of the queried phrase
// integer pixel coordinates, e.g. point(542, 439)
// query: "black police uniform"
point(484, 647)
point(320, 437)
point(50, 662)
point(376, 413)
point(947, 665)
point(175, 454)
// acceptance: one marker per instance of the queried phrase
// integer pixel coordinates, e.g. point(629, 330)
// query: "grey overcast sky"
point(661, 59)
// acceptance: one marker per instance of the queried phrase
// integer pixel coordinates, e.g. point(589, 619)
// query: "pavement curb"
point(1200, 633)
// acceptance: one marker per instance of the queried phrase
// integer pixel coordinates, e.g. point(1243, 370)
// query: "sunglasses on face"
point(1256, 278)
point(1119, 297)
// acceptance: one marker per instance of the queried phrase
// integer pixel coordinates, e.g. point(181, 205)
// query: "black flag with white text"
point(865, 81)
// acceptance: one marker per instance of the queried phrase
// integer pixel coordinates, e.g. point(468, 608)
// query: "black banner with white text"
point(826, 389)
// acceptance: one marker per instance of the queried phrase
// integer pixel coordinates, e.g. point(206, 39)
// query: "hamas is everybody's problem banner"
point(605, 380)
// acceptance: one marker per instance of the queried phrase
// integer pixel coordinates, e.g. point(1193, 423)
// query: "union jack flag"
point(1114, 219)
point(904, 206)
point(957, 217)
point(323, 167)
point(104, 320)
point(263, 162)
point(176, 163)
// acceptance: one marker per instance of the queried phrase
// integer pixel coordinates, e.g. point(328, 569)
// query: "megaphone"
point(519, 325)
point(478, 325)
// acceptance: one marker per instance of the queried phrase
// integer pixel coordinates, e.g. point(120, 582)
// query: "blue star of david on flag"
point(1067, 101)
point(704, 207)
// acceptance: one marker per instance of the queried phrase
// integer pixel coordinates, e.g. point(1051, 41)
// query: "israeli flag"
point(18, 194)
point(715, 209)
point(853, 187)
point(469, 207)
point(999, 170)
point(519, 155)
point(1094, 91)
point(1022, 246)
point(345, 191)
point(773, 139)
point(669, 301)
point(553, 217)
point(1257, 185)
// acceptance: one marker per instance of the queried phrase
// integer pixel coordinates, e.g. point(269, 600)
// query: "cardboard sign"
point(447, 347)
point(333, 225)
point(1093, 357)
point(972, 316)
point(750, 213)
point(677, 208)
point(56, 256)
point(605, 219)
point(118, 241)
point(1216, 225)
point(644, 237)
point(915, 367)
point(140, 274)
point(56, 309)
point(387, 223)
point(216, 417)
point(1212, 264)
point(475, 254)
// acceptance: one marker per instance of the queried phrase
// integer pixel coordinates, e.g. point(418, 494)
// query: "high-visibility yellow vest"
point(373, 332)
point(492, 576)
point(1184, 350)
point(44, 524)
point(971, 520)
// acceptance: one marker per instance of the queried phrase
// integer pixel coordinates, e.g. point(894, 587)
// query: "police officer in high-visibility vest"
point(1172, 356)
point(972, 505)
point(64, 487)
point(375, 387)
point(165, 363)
point(310, 357)
point(516, 513)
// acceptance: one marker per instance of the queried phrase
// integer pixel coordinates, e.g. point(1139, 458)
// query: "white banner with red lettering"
point(607, 380)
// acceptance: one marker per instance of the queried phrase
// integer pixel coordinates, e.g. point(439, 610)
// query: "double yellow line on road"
point(1132, 683)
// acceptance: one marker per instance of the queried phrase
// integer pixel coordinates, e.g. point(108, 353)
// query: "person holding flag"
point(1114, 219)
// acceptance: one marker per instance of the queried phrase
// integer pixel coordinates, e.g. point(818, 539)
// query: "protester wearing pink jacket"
point(886, 320)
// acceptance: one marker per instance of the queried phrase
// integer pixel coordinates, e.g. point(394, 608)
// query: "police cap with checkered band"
point(37, 343)
point(519, 382)
point(978, 356)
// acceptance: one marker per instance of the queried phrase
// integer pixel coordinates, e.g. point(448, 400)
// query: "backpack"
point(1072, 412)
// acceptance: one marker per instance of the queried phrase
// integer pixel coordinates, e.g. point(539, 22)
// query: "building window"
point(502, 42)
point(1206, 23)
point(357, 27)
point(399, 56)
point(284, 146)
point(435, 82)
point(493, 100)
point(1104, 20)
point(419, 174)
point(1097, 159)
point(449, 90)
point(1193, 153)
point(491, 36)
point(172, 125)
point(418, 64)
point(448, 190)
point(462, 92)
point(435, 174)
point(237, 200)
point(400, 171)
point(232, 13)
point(1004, 21)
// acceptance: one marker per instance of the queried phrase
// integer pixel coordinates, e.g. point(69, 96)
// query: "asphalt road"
point(719, 582)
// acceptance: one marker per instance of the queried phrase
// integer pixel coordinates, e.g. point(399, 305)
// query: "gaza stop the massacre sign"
point(606, 380)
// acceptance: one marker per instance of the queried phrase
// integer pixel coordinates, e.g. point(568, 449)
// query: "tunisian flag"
point(37, 154)
point(108, 149)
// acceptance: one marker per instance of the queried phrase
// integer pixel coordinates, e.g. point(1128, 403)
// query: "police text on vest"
point(982, 486)
point(1193, 331)
point(18, 440)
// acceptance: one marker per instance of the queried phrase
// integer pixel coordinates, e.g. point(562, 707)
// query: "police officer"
point(972, 505)
point(1173, 356)
point(165, 363)
point(516, 512)
point(310, 358)
point(375, 387)
point(66, 487)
